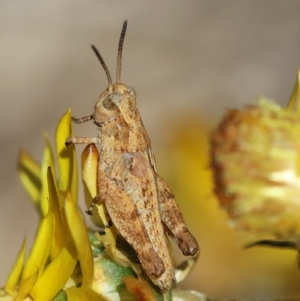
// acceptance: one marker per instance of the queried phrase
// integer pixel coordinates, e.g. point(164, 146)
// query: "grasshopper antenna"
point(119, 60)
point(103, 64)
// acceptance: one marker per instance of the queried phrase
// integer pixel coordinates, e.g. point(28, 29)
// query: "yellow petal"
point(4, 296)
point(16, 271)
point(29, 173)
point(83, 294)
point(60, 232)
point(51, 162)
point(47, 161)
point(41, 247)
point(67, 163)
point(81, 240)
point(89, 165)
point(294, 105)
point(27, 284)
point(55, 276)
point(89, 171)
point(294, 102)
point(74, 180)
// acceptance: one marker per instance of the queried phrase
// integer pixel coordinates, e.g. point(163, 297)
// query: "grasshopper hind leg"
point(173, 221)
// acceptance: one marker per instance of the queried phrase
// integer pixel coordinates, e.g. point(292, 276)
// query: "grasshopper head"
point(107, 106)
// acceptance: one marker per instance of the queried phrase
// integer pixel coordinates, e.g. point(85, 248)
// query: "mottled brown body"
point(139, 203)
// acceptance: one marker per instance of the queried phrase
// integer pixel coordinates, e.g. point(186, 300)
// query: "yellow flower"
point(54, 254)
point(67, 261)
point(255, 157)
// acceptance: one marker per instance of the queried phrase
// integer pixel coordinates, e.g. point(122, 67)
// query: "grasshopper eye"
point(132, 92)
point(108, 104)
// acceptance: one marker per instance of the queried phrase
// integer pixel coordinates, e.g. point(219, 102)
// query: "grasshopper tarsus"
point(188, 244)
point(68, 142)
point(109, 225)
point(193, 250)
point(89, 212)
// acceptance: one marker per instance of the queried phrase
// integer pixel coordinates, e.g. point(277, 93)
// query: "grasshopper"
point(138, 201)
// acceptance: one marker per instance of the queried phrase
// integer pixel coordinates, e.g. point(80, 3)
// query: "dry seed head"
point(255, 157)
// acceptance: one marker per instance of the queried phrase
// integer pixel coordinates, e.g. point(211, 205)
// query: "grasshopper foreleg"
point(96, 201)
point(82, 119)
point(81, 140)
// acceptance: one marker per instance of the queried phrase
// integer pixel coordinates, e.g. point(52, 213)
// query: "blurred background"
point(188, 62)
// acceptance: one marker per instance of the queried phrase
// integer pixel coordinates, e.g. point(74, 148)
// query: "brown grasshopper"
point(138, 201)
